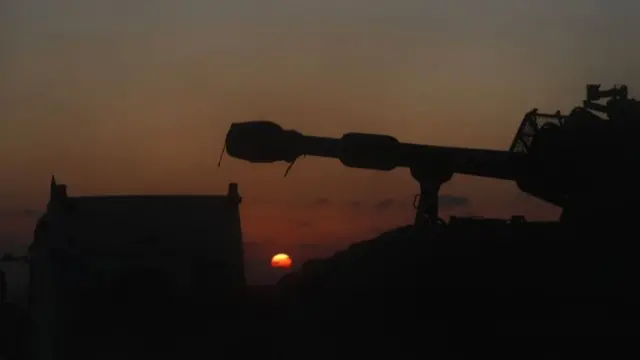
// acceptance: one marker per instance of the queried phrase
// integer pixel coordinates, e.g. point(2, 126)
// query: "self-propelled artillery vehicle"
point(584, 162)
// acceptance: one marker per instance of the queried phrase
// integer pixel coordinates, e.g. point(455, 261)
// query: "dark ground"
point(515, 291)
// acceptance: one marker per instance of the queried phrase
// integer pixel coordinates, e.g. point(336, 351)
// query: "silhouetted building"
point(95, 256)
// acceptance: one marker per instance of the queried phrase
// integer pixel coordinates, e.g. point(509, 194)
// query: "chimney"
point(52, 188)
point(57, 193)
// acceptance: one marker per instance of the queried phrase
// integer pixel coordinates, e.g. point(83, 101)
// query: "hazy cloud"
point(446, 202)
point(312, 246)
point(389, 203)
point(453, 201)
point(29, 213)
point(385, 203)
point(356, 204)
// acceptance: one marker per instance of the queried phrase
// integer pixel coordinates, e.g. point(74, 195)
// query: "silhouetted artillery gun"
point(583, 162)
point(499, 277)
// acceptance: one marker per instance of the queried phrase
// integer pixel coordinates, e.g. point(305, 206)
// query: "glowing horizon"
point(136, 97)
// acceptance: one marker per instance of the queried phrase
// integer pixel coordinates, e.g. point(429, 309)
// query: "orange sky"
point(135, 97)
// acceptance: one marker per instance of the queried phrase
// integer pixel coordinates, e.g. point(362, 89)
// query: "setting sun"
point(281, 261)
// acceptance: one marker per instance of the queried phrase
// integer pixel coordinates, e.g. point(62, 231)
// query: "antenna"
point(224, 147)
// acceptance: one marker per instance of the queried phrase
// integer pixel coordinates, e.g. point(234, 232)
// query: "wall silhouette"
point(98, 263)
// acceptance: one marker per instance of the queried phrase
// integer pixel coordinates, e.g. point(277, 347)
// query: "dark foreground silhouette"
point(467, 290)
point(463, 288)
point(479, 288)
point(471, 285)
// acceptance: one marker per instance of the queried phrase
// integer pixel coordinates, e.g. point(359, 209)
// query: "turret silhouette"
point(572, 161)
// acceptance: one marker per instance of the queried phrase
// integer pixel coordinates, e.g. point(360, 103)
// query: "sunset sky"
point(135, 97)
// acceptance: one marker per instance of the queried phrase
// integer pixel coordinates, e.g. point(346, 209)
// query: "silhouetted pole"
point(426, 203)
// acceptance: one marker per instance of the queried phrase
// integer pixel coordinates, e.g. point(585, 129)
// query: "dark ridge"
point(426, 291)
point(434, 288)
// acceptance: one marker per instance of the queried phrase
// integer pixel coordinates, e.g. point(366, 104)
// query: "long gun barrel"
point(266, 142)
point(431, 166)
point(568, 160)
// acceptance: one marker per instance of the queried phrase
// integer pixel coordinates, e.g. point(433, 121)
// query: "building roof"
point(172, 197)
point(107, 221)
point(145, 206)
point(138, 202)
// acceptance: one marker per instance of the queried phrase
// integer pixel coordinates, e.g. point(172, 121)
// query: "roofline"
point(173, 196)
